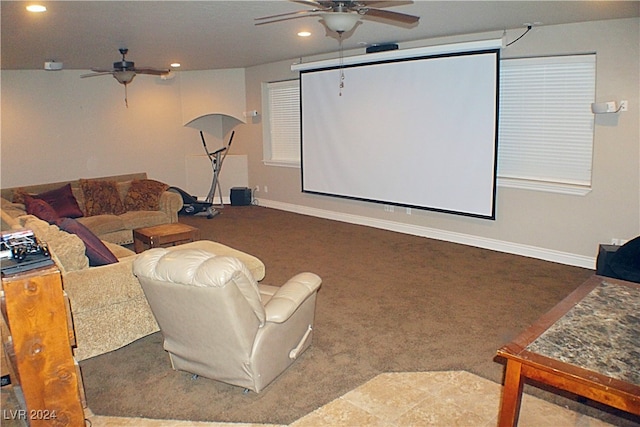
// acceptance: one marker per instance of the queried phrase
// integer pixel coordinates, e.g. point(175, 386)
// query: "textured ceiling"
point(222, 34)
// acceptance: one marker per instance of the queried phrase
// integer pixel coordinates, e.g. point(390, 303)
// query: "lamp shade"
point(340, 22)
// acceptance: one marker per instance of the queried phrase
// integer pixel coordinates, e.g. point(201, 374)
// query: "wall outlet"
point(624, 105)
point(408, 211)
point(618, 242)
point(266, 189)
point(389, 208)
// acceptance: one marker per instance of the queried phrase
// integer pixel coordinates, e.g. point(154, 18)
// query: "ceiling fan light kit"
point(342, 16)
point(340, 22)
point(124, 77)
point(124, 71)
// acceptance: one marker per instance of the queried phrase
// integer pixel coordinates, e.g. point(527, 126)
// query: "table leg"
point(511, 395)
point(138, 246)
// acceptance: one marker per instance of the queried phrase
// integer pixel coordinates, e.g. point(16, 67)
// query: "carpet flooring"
point(389, 302)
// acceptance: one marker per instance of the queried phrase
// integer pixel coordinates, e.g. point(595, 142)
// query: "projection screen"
point(417, 132)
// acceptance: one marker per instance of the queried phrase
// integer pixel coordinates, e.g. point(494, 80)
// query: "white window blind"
point(546, 123)
point(282, 138)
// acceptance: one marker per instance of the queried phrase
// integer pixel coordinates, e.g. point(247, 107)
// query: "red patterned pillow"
point(144, 195)
point(101, 197)
point(40, 209)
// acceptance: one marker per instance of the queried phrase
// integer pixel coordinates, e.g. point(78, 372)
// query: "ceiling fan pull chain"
point(341, 64)
point(126, 102)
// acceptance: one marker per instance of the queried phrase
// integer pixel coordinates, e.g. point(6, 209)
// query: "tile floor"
point(454, 398)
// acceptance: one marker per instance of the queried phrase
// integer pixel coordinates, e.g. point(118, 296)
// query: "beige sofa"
point(116, 229)
point(108, 307)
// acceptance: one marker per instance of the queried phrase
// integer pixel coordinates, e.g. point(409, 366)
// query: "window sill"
point(549, 187)
point(282, 163)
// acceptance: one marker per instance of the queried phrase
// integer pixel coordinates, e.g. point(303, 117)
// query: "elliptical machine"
point(217, 159)
point(193, 206)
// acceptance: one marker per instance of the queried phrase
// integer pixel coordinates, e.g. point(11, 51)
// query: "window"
point(281, 130)
point(546, 123)
point(545, 139)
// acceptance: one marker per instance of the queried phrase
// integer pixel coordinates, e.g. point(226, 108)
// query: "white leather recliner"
point(218, 322)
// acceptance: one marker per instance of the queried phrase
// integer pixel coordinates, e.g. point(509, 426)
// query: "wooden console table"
point(587, 345)
point(37, 336)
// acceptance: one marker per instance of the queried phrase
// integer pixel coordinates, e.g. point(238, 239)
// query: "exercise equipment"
point(217, 159)
point(190, 204)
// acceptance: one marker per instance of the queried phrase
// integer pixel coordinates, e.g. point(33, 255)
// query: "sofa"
point(104, 213)
point(108, 307)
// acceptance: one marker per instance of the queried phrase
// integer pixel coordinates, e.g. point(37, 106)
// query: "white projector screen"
point(417, 132)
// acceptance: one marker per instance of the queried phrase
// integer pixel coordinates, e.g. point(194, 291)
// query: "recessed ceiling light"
point(36, 8)
point(176, 65)
point(304, 33)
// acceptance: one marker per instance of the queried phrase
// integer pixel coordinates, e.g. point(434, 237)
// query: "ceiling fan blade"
point(98, 73)
point(291, 14)
point(383, 3)
point(303, 14)
point(392, 16)
point(152, 71)
point(311, 3)
point(102, 70)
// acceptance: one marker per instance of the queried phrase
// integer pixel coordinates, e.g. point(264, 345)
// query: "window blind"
point(284, 121)
point(546, 123)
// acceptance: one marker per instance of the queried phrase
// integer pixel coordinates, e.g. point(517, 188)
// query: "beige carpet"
point(389, 302)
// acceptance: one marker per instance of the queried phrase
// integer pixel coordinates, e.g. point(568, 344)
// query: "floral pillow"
point(101, 197)
point(144, 195)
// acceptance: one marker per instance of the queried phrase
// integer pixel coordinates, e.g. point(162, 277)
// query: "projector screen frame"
point(487, 212)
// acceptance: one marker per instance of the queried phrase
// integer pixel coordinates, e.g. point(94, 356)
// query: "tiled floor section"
point(455, 398)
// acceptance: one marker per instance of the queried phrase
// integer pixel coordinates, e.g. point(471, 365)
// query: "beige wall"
point(557, 227)
point(57, 126)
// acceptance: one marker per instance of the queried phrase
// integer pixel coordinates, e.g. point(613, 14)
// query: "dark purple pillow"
point(41, 209)
point(95, 250)
point(63, 201)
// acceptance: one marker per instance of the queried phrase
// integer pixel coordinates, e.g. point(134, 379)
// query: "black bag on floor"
point(190, 205)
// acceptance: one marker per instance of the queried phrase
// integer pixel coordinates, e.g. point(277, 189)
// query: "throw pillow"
point(96, 251)
point(101, 197)
point(18, 195)
point(60, 199)
point(40, 209)
point(144, 195)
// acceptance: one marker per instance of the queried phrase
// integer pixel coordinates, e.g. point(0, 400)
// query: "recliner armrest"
point(290, 295)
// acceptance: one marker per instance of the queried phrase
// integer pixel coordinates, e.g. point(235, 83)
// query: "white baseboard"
point(433, 233)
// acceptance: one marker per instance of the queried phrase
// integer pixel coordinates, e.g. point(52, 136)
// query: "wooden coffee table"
point(163, 235)
point(587, 345)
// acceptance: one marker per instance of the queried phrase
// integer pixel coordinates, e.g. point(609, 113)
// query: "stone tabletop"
point(601, 333)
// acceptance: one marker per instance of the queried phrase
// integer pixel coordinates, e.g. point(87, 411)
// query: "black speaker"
point(240, 196)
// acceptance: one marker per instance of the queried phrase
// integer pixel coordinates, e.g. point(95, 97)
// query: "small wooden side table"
point(162, 235)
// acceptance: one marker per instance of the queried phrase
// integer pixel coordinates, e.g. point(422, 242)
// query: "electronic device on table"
point(20, 251)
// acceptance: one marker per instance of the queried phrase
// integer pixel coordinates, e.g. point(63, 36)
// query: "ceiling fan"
point(342, 16)
point(124, 71)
